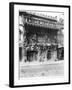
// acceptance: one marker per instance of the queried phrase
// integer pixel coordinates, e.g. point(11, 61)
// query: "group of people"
point(44, 53)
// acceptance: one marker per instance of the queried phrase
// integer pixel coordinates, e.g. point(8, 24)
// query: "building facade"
point(40, 38)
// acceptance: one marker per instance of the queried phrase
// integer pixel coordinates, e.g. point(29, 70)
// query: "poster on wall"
point(39, 44)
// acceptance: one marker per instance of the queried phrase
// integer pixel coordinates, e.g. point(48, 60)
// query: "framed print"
point(39, 44)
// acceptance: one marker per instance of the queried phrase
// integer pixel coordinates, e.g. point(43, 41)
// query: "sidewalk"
point(40, 63)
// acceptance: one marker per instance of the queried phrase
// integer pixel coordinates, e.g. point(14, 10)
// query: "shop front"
point(40, 39)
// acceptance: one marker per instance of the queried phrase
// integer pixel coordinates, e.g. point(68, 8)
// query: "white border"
point(40, 80)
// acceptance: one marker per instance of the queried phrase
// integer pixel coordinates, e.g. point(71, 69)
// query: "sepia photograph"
point(40, 53)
